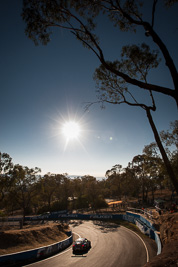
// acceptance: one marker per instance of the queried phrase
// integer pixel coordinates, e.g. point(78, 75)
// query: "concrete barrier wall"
point(142, 219)
point(147, 227)
point(75, 216)
point(35, 254)
point(158, 242)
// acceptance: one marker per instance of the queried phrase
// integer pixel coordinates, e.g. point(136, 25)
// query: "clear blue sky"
point(41, 87)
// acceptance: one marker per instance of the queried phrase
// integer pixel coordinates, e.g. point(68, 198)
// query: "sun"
point(71, 130)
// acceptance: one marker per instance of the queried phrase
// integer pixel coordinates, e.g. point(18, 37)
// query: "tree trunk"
point(153, 195)
point(162, 151)
point(176, 97)
point(143, 191)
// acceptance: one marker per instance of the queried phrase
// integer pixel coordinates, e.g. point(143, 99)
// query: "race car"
point(81, 245)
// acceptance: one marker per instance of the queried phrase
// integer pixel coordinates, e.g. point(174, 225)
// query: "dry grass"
point(32, 237)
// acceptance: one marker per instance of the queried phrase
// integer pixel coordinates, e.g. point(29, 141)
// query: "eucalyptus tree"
point(58, 180)
point(149, 172)
point(139, 165)
point(47, 187)
point(92, 192)
point(169, 139)
point(130, 183)
point(5, 163)
point(66, 190)
point(155, 176)
point(117, 80)
point(6, 180)
point(24, 189)
point(112, 89)
point(114, 180)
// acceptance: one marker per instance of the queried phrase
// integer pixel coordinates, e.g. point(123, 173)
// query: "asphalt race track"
point(111, 245)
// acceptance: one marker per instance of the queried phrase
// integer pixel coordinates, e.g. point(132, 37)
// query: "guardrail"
point(145, 212)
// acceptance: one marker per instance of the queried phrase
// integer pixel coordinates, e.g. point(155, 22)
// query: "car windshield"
point(80, 240)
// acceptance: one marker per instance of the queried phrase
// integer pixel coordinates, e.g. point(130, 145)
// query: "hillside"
point(169, 239)
point(31, 237)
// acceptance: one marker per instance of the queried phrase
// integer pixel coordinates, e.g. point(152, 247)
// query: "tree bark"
point(167, 163)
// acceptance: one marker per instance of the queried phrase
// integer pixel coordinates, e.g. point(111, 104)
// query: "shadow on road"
point(75, 223)
point(77, 255)
point(81, 253)
point(106, 227)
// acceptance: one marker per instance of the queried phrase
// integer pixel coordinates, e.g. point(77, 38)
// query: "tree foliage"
point(23, 188)
point(6, 181)
point(170, 140)
point(79, 17)
point(115, 79)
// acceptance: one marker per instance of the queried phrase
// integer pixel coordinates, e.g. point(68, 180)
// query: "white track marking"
point(147, 254)
point(60, 253)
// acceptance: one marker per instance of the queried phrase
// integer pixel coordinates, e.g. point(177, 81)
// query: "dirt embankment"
point(169, 239)
point(31, 237)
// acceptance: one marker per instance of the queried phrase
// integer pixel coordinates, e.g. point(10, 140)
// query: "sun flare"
point(71, 130)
